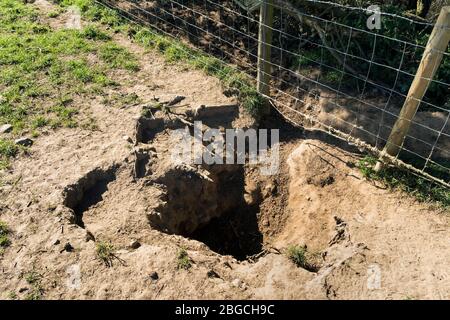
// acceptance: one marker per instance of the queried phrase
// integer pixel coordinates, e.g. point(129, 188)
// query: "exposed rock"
point(26, 142)
point(5, 128)
point(135, 244)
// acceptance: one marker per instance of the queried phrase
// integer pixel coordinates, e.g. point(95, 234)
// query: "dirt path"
point(85, 188)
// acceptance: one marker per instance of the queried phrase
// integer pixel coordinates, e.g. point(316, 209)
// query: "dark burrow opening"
point(213, 212)
point(236, 233)
point(88, 191)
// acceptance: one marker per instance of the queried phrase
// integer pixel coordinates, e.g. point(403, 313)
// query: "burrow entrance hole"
point(88, 191)
point(213, 212)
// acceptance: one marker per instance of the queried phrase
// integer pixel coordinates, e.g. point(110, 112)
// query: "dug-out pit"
point(88, 191)
point(211, 210)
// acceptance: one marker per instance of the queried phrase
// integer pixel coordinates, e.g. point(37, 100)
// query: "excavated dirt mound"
point(364, 232)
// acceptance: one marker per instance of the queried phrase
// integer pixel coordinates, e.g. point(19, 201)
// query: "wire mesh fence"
point(344, 69)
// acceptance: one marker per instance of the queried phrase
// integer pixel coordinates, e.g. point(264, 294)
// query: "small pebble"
point(135, 244)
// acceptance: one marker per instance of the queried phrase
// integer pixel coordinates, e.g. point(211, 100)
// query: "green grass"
point(118, 57)
point(54, 13)
point(4, 239)
point(234, 80)
point(11, 295)
point(395, 178)
point(33, 278)
point(183, 260)
point(332, 76)
point(39, 122)
point(43, 70)
point(93, 32)
point(90, 124)
point(34, 294)
point(297, 254)
point(302, 258)
point(105, 252)
point(8, 150)
point(307, 58)
point(173, 51)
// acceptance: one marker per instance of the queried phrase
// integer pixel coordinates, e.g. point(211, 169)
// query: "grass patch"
point(396, 178)
point(34, 280)
point(238, 82)
point(34, 294)
point(183, 260)
point(4, 239)
point(300, 256)
point(105, 252)
point(94, 12)
point(173, 50)
point(118, 57)
point(32, 277)
point(8, 150)
point(55, 13)
point(42, 70)
point(92, 32)
point(90, 124)
point(297, 254)
point(305, 59)
point(332, 76)
point(39, 122)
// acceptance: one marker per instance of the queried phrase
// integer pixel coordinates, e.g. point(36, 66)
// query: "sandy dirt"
point(119, 184)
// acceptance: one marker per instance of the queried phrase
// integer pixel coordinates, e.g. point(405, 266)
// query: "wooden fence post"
point(431, 59)
point(265, 49)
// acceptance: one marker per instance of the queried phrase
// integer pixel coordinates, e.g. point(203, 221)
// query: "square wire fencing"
point(378, 79)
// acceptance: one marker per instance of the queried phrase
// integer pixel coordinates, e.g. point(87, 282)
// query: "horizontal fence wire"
point(327, 72)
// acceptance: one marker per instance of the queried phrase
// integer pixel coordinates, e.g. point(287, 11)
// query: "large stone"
point(26, 142)
point(5, 128)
